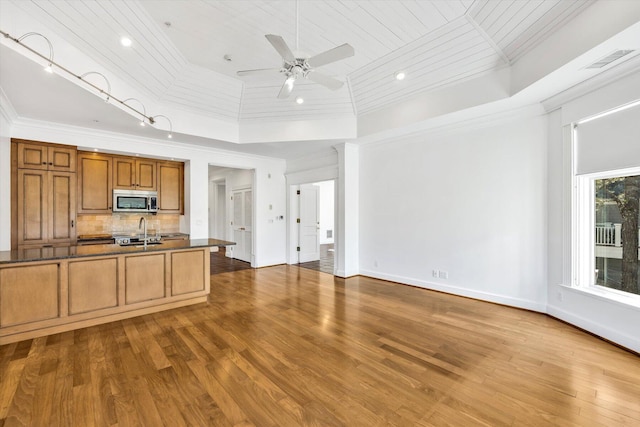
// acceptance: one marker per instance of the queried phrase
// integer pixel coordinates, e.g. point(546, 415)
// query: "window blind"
point(610, 142)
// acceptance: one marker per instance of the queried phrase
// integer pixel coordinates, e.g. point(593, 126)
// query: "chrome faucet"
point(143, 220)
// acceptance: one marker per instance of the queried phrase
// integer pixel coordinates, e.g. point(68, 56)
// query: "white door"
point(241, 224)
point(309, 226)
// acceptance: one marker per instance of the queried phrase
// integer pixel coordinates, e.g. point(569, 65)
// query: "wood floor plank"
point(284, 346)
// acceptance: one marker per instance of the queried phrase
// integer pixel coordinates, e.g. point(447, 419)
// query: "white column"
point(196, 202)
point(348, 212)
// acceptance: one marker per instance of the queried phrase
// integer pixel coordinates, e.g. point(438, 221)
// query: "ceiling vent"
point(609, 59)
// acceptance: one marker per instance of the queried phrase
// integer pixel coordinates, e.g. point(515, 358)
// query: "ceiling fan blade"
point(260, 71)
point(324, 80)
point(331, 55)
point(281, 46)
point(286, 89)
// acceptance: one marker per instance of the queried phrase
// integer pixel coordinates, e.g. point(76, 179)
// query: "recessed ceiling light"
point(125, 41)
point(299, 100)
point(400, 75)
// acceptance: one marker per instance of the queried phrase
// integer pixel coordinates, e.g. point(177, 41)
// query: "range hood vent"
point(609, 59)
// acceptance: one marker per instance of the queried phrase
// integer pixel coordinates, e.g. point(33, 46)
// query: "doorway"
point(231, 210)
point(313, 227)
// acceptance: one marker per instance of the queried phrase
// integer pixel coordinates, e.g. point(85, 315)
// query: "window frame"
point(584, 260)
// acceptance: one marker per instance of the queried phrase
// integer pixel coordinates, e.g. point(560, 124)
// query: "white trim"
point(459, 290)
point(584, 239)
point(431, 128)
point(6, 108)
point(597, 328)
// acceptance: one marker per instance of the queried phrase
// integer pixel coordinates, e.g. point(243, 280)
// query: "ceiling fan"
point(299, 65)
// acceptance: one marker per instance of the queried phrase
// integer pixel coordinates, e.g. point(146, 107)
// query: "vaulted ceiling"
point(185, 54)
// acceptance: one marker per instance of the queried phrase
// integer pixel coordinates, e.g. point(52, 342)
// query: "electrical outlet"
point(375, 263)
point(560, 296)
point(434, 273)
point(443, 274)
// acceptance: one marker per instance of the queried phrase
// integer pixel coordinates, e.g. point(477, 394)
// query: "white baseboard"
point(627, 341)
point(460, 291)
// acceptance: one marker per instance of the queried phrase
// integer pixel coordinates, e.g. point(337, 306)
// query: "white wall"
point(468, 202)
point(268, 184)
point(326, 208)
point(5, 183)
point(610, 319)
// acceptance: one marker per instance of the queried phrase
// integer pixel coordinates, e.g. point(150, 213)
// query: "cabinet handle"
point(72, 223)
point(51, 163)
point(44, 163)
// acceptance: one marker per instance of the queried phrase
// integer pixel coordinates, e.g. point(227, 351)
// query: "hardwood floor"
point(287, 346)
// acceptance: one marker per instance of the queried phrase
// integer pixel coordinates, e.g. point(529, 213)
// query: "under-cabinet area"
point(54, 187)
point(54, 291)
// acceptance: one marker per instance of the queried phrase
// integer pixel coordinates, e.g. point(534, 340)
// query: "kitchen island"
point(55, 289)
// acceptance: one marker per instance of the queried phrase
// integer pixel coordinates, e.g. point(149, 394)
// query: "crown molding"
point(6, 108)
point(82, 137)
point(630, 66)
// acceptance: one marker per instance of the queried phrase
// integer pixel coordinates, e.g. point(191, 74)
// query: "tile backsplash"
point(126, 223)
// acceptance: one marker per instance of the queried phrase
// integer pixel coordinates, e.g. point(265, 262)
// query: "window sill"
point(627, 301)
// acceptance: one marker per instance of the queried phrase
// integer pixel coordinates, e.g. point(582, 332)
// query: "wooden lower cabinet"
point(187, 274)
point(44, 297)
point(89, 291)
point(145, 277)
point(28, 294)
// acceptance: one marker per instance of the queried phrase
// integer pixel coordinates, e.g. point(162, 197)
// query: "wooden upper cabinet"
point(170, 187)
point(42, 156)
point(94, 183)
point(134, 174)
point(146, 175)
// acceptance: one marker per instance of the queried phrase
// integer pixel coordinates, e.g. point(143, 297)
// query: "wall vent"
point(609, 59)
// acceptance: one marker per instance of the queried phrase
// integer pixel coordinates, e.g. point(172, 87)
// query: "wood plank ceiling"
point(179, 47)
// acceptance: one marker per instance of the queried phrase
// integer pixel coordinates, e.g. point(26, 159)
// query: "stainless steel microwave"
point(135, 201)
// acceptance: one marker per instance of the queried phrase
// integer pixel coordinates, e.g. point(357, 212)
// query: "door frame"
point(292, 213)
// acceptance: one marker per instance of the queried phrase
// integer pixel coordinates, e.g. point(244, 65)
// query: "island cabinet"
point(134, 174)
point(44, 297)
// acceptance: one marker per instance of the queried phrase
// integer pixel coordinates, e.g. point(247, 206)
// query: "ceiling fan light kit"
point(294, 68)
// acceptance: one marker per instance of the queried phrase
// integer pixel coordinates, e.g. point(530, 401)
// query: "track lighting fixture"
point(108, 92)
point(49, 67)
point(144, 110)
point(51, 63)
point(152, 120)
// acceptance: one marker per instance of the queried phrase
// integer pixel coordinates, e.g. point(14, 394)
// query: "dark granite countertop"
point(45, 254)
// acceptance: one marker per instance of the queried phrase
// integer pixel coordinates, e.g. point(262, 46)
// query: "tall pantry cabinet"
point(44, 191)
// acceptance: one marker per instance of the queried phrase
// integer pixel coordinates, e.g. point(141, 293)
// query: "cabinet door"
point(61, 159)
point(62, 207)
point(170, 187)
point(32, 200)
point(28, 294)
point(46, 157)
point(32, 156)
point(146, 175)
point(144, 277)
point(124, 173)
point(94, 183)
